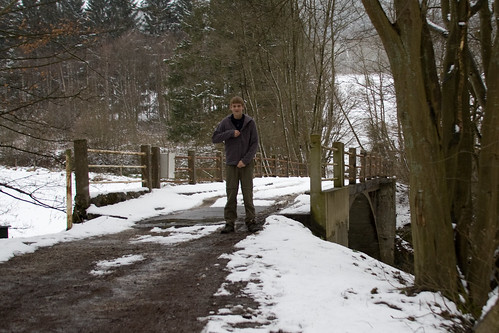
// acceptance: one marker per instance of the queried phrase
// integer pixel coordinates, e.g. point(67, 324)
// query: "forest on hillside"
point(91, 70)
point(122, 73)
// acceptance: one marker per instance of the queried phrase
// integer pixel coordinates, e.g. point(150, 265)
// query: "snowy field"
point(306, 284)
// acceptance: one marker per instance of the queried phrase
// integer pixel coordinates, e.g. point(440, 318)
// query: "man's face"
point(237, 110)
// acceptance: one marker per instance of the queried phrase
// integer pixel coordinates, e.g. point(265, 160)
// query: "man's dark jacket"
point(243, 148)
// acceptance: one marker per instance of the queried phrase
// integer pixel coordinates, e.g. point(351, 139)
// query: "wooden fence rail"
point(193, 168)
point(81, 170)
point(361, 166)
point(278, 166)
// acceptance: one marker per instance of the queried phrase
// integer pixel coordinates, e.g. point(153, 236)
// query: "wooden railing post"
point(380, 166)
point(339, 164)
point(276, 165)
point(352, 165)
point(362, 177)
point(146, 161)
point(82, 197)
point(219, 166)
point(258, 165)
point(387, 168)
point(315, 164)
point(155, 167)
point(317, 198)
point(191, 164)
point(69, 191)
point(384, 167)
point(374, 164)
point(368, 166)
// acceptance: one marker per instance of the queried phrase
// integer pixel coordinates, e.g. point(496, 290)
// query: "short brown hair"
point(236, 100)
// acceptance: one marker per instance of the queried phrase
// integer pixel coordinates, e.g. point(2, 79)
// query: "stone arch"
point(362, 233)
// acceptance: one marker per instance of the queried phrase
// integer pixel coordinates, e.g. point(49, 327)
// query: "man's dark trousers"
point(234, 175)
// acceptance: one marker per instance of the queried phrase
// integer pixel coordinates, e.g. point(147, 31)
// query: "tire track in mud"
point(173, 286)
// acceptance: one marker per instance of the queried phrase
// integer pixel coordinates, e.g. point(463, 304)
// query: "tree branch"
point(474, 76)
point(348, 120)
point(54, 157)
point(34, 201)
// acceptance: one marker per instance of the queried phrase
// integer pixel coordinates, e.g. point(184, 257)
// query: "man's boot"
point(228, 228)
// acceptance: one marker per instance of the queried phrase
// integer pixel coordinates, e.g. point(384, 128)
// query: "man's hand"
point(236, 133)
point(241, 164)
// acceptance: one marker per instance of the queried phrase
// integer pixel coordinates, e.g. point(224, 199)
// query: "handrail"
point(104, 151)
point(199, 165)
point(361, 166)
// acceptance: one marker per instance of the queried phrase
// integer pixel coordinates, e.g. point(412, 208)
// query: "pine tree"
point(97, 12)
point(196, 81)
point(181, 9)
point(123, 14)
point(48, 12)
point(157, 16)
point(243, 55)
point(30, 15)
point(113, 17)
point(71, 10)
point(164, 15)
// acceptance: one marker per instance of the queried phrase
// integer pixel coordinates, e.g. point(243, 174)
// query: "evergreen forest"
point(122, 73)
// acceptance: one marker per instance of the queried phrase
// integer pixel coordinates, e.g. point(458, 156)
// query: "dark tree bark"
point(412, 64)
point(439, 138)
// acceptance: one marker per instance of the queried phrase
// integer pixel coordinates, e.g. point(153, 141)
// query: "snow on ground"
point(104, 267)
point(304, 284)
point(310, 285)
point(177, 235)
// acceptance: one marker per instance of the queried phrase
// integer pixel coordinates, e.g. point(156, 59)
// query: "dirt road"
point(53, 290)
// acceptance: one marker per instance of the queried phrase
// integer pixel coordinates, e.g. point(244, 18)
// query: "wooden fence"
point(361, 165)
point(278, 166)
point(191, 168)
point(148, 165)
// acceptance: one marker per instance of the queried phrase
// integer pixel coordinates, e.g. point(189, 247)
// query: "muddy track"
point(53, 290)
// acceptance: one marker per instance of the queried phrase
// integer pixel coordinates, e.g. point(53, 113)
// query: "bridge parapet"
point(367, 190)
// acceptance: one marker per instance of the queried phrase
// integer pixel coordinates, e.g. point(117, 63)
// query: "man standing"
point(238, 132)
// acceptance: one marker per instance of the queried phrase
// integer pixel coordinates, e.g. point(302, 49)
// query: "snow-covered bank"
point(305, 284)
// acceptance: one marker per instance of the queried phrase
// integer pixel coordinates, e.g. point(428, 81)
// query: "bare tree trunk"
point(434, 256)
point(250, 89)
point(456, 132)
point(321, 37)
point(279, 96)
point(490, 322)
point(486, 227)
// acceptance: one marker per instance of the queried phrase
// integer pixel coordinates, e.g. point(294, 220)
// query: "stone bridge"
point(360, 214)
